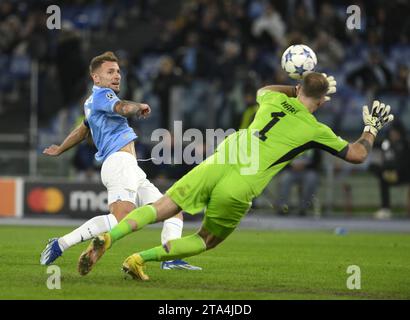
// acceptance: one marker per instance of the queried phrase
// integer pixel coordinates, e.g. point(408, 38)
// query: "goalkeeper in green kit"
point(241, 167)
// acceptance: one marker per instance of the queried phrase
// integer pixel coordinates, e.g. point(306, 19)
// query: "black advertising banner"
point(64, 199)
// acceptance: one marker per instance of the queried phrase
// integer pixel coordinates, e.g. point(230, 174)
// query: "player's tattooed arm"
point(358, 151)
point(290, 91)
point(366, 144)
point(129, 109)
point(75, 137)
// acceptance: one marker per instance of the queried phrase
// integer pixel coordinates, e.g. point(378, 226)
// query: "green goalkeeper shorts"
point(219, 189)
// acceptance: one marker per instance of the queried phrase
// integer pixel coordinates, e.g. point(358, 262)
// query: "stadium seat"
point(20, 66)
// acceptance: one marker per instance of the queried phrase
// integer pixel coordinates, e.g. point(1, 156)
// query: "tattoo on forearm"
point(127, 108)
point(366, 144)
point(121, 107)
point(131, 103)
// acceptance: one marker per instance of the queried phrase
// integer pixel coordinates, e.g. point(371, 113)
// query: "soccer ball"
point(297, 60)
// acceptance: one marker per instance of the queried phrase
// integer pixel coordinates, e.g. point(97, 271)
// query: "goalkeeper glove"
point(332, 86)
point(377, 118)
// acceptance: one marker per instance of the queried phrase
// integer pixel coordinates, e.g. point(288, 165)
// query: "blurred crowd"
point(224, 42)
point(60, 55)
point(209, 55)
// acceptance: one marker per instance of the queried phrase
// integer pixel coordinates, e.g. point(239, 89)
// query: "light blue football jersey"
point(110, 130)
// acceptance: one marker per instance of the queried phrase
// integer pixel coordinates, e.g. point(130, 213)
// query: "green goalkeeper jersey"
point(282, 129)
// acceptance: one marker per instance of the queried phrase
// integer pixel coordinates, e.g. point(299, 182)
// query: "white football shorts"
point(126, 181)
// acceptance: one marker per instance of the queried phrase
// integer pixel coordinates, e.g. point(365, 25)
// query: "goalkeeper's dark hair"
point(314, 85)
point(97, 61)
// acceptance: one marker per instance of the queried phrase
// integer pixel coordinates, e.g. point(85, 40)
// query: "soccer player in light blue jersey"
point(126, 183)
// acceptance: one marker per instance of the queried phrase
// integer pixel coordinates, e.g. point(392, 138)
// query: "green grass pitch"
point(249, 265)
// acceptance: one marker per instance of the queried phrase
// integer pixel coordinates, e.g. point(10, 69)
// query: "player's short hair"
point(315, 85)
point(97, 61)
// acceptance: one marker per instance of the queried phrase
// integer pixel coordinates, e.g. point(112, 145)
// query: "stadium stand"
point(219, 50)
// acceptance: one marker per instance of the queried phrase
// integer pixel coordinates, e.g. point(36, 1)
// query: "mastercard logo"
point(50, 200)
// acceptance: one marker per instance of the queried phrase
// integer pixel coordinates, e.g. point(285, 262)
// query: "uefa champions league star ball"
point(298, 60)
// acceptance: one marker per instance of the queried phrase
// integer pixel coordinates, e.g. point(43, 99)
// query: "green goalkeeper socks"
point(135, 220)
point(175, 249)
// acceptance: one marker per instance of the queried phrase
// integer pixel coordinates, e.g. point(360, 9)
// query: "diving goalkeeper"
point(283, 128)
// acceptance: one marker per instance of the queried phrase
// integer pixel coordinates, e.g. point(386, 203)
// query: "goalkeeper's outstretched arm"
point(358, 151)
point(379, 116)
point(75, 137)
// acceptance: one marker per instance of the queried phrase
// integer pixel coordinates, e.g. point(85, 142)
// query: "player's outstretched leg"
point(172, 230)
point(92, 228)
point(134, 266)
point(178, 264)
point(93, 253)
point(175, 249)
point(51, 252)
point(135, 220)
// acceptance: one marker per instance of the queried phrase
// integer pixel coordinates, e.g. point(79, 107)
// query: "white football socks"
point(172, 229)
point(88, 230)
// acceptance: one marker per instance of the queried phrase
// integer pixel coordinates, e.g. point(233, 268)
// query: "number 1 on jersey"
point(275, 118)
